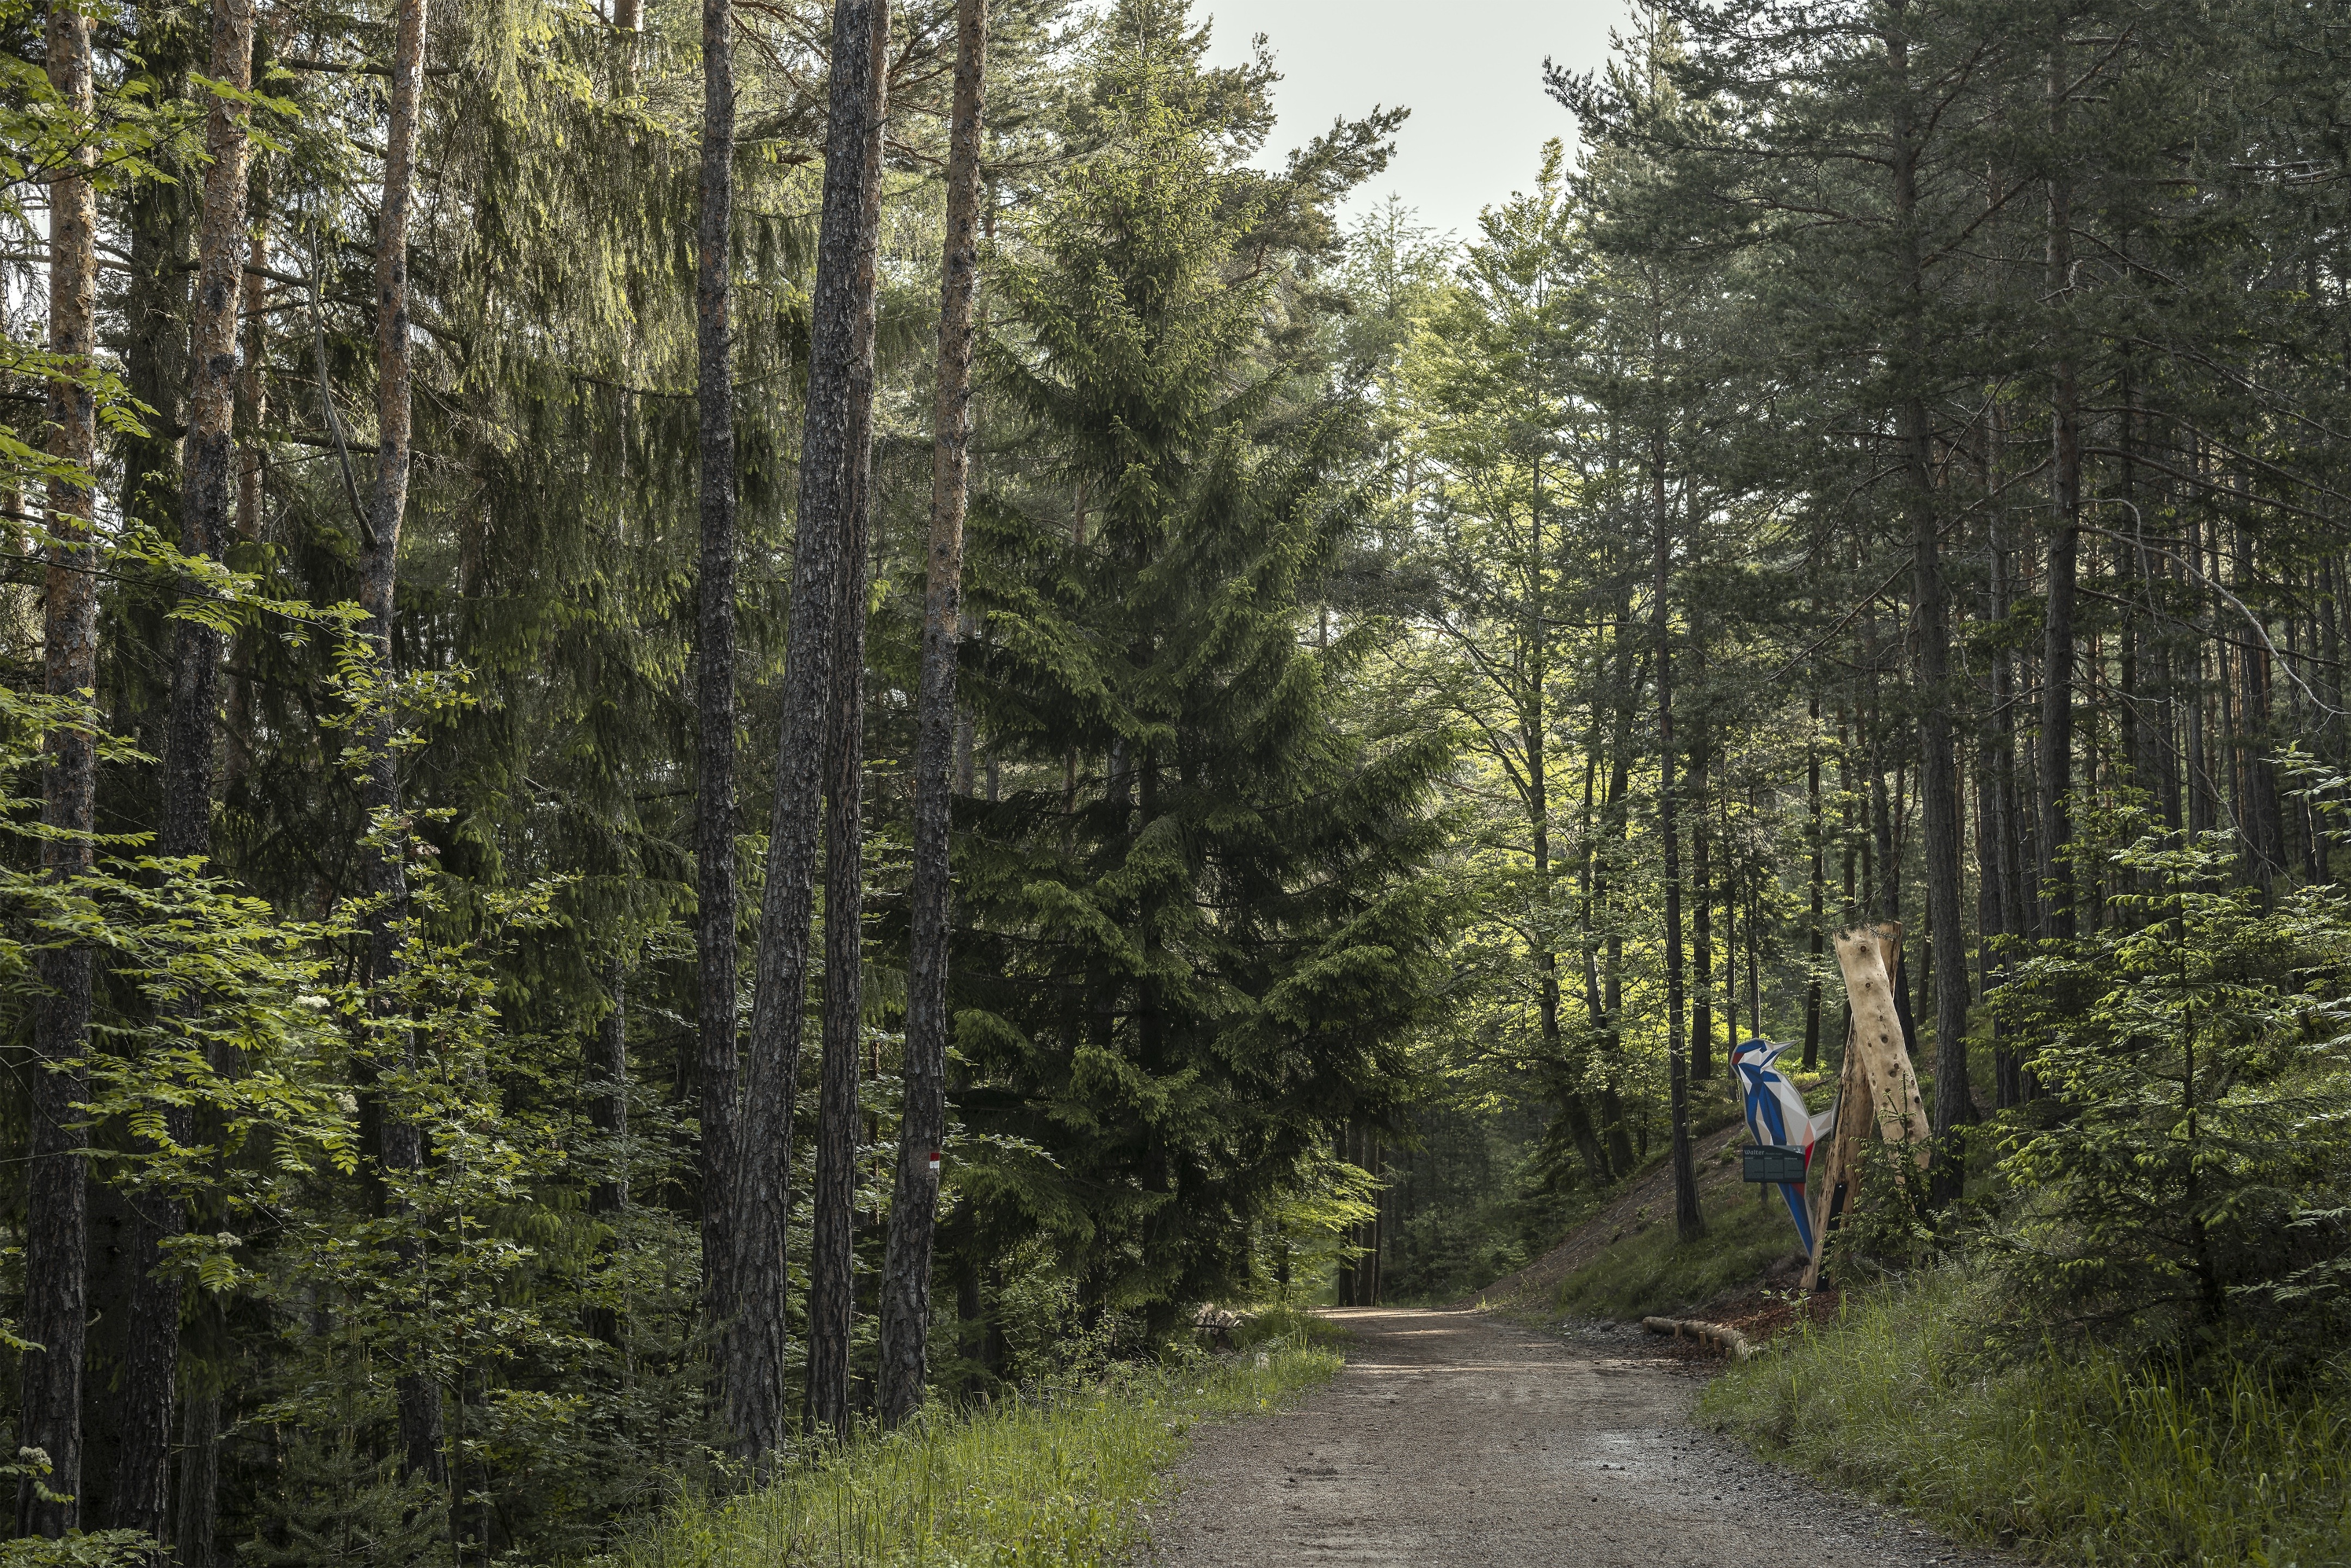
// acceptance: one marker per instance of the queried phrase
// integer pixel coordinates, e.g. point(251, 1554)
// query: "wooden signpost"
point(1876, 1087)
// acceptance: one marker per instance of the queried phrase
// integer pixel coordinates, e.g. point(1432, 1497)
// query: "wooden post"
point(1875, 1086)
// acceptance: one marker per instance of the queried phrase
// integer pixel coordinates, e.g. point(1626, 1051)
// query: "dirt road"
point(1455, 1438)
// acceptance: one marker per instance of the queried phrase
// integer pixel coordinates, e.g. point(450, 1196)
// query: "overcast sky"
point(1471, 70)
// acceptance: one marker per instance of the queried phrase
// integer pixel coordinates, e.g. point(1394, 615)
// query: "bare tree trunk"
point(193, 1541)
point(57, 1222)
point(843, 310)
point(152, 1364)
point(418, 1396)
point(922, 1129)
point(713, 845)
point(1688, 1222)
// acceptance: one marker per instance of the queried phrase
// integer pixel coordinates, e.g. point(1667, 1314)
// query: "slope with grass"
point(1063, 1475)
point(2082, 1457)
point(1626, 1262)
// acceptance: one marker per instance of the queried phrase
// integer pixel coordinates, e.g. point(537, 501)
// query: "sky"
point(1471, 70)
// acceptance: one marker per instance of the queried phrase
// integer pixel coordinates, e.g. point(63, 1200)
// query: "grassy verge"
point(1064, 1478)
point(1652, 1271)
point(2076, 1457)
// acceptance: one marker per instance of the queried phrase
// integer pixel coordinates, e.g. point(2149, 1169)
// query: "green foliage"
point(2084, 1454)
point(1063, 1476)
point(2187, 1179)
point(1198, 924)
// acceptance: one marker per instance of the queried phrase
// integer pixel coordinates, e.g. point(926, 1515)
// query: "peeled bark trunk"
point(152, 1364)
point(714, 829)
point(57, 1222)
point(922, 1129)
point(839, 358)
point(1688, 1221)
point(418, 1397)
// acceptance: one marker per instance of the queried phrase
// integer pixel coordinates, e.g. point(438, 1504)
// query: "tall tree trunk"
point(57, 1222)
point(713, 827)
point(252, 415)
point(1819, 887)
point(833, 1242)
point(608, 1111)
point(1939, 783)
point(151, 1363)
point(193, 1540)
point(419, 1397)
point(1701, 1036)
point(1688, 1222)
point(922, 1128)
point(830, 448)
point(2057, 914)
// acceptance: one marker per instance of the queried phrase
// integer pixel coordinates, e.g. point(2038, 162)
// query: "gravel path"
point(1453, 1437)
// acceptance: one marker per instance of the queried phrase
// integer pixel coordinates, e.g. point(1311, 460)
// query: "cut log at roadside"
point(1729, 1341)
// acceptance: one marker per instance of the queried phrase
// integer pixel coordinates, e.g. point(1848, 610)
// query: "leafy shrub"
point(2185, 1178)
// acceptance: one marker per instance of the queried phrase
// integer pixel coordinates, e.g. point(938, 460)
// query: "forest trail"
point(1454, 1437)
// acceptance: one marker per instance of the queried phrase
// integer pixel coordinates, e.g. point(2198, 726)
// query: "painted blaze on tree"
point(1194, 946)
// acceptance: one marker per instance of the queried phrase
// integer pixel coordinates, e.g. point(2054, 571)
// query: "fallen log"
point(1729, 1341)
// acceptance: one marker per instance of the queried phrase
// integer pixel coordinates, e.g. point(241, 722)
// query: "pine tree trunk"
point(1819, 887)
point(2057, 914)
point(1688, 1222)
point(197, 1526)
point(714, 843)
point(142, 1499)
point(608, 1111)
point(1938, 784)
point(842, 311)
point(914, 1204)
point(834, 1230)
point(418, 1396)
point(1701, 1034)
point(56, 1229)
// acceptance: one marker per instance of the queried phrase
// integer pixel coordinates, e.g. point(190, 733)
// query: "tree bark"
point(1688, 1222)
point(57, 1223)
point(716, 960)
point(1701, 1035)
point(2057, 914)
point(842, 311)
point(922, 1132)
point(1819, 886)
point(608, 1111)
point(419, 1397)
point(142, 1493)
point(1939, 785)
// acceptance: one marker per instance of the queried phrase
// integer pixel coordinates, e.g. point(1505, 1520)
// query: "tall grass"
point(1062, 1477)
point(2080, 1455)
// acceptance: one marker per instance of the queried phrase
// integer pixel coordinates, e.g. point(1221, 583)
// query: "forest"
point(725, 723)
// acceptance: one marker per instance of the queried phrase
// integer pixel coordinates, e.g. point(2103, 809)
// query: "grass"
point(1063, 1477)
point(1650, 1272)
point(2079, 1455)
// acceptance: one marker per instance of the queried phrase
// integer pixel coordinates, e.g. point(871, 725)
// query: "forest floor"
point(1456, 1437)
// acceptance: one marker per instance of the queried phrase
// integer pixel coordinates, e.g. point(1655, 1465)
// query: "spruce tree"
point(1197, 926)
